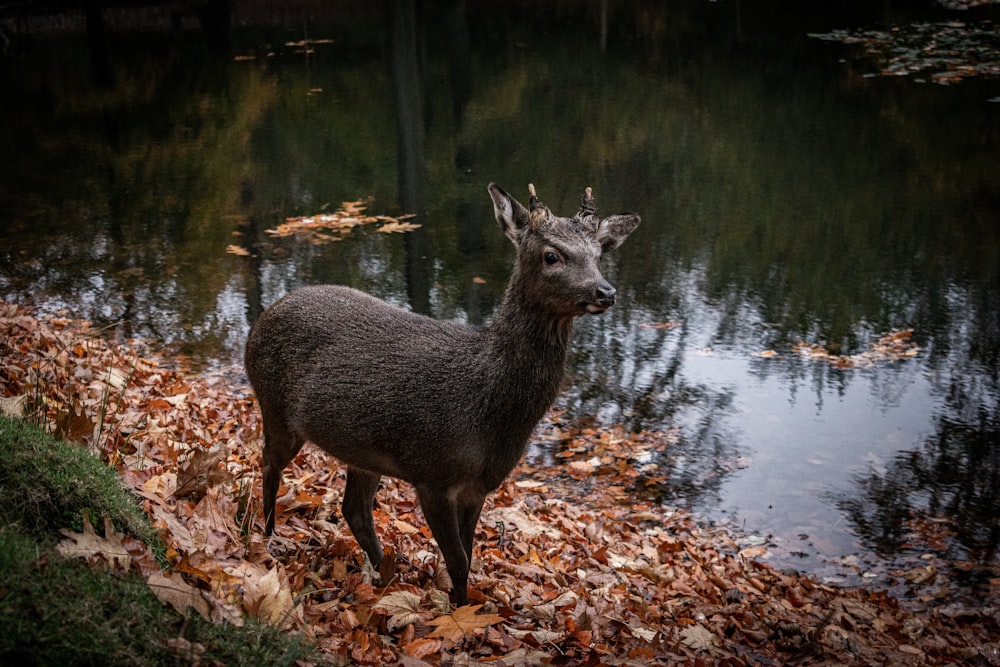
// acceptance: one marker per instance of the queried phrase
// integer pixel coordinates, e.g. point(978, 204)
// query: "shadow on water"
point(786, 194)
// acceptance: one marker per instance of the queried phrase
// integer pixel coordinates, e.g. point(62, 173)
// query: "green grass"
point(58, 611)
point(47, 484)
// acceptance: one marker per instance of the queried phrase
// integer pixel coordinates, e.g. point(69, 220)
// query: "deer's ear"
point(511, 215)
point(613, 230)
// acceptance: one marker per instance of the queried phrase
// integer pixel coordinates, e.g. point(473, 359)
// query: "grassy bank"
point(56, 610)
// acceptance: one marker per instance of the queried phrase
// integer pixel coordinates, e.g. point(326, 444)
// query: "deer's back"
point(364, 379)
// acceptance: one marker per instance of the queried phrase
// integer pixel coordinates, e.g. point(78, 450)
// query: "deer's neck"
point(528, 349)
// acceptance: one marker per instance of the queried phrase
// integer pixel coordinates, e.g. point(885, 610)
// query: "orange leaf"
point(457, 625)
point(418, 648)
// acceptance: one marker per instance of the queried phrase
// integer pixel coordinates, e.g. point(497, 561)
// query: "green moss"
point(58, 611)
point(47, 484)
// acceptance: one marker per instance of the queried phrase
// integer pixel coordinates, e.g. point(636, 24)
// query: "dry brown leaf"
point(201, 471)
point(74, 423)
point(173, 590)
point(403, 608)
point(699, 638)
point(88, 544)
point(418, 648)
point(405, 527)
point(186, 651)
point(13, 406)
point(391, 227)
point(268, 597)
point(461, 623)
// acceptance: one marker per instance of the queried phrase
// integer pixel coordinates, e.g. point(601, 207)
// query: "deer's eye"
point(551, 258)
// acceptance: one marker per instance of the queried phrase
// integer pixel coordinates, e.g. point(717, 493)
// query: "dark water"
point(786, 196)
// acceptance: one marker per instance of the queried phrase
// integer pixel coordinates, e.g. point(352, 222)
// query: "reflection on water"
point(785, 197)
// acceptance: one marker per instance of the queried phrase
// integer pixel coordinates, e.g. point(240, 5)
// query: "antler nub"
point(533, 202)
point(538, 212)
point(587, 206)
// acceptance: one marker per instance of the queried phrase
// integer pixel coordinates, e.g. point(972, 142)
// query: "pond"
point(789, 192)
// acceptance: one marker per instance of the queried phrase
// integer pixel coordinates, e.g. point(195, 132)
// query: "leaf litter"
point(941, 52)
point(572, 567)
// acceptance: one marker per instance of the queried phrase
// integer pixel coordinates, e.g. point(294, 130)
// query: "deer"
point(445, 406)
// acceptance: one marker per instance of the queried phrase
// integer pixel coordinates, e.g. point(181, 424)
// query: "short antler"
point(587, 205)
point(538, 212)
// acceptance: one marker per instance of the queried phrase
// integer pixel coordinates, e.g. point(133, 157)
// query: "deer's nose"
point(606, 295)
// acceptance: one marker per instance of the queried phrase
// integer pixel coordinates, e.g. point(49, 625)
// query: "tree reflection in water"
point(942, 500)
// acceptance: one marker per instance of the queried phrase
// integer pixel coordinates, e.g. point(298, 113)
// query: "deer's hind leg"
point(280, 447)
point(359, 498)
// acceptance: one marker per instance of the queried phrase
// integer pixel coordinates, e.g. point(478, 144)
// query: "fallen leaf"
point(669, 324)
point(201, 471)
point(13, 406)
point(459, 624)
point(404, 527)
point(74, 424)
point(403, 608)
point(268, 597)
point(173, 590)
point(753, 552)
point(645, 634)
point(419, 648)
point(699, 638)
point(88, 544)
point(391, 227)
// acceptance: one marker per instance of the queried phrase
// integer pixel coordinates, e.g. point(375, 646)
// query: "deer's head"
point(558, 258)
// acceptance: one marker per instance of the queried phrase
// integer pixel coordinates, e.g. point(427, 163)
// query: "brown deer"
point(445, 406)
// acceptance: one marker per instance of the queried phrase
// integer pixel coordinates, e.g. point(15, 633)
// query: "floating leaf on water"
point(326, 227)
point(391, 227)
point(669, 324)
point(949, 51)
point(893, 346)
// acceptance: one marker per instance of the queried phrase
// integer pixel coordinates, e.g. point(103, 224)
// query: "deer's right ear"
point(511, 215)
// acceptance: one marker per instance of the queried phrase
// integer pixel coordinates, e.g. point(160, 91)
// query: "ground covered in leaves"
point(570, 568)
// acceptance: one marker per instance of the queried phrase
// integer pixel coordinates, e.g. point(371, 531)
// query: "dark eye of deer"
point(551, 258)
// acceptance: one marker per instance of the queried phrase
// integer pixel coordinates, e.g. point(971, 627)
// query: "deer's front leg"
point(442, 514)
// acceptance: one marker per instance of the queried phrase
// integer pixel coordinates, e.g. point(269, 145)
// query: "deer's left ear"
point(614, 229)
